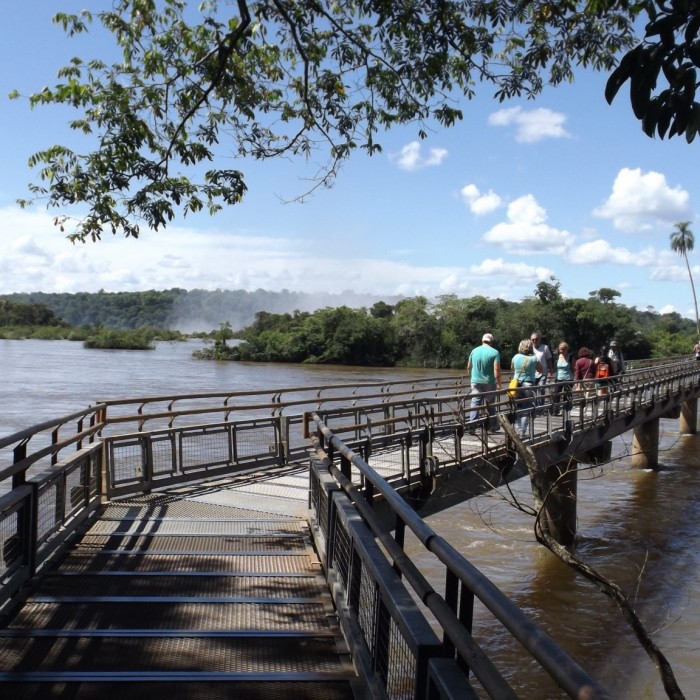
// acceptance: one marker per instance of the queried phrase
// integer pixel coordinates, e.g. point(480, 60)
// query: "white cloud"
point(670, 273)
point(211, 259)
point(480, 203)
point(455, 284)
point(526, 231)
point(26, 245)
point(644, 201)
point(673, 272)
point(174, 262)
point(601, 252)
point(531, 125)
point(410, 157)
point(500, 268)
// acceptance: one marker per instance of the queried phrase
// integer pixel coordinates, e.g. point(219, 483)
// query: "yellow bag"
point(513, 386)
point(514, 383)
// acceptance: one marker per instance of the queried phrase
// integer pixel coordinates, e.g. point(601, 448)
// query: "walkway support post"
point(560, 504)
point(645, 445)
point(688, 424)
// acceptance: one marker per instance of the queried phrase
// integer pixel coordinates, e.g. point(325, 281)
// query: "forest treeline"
point(19, 314)
point(180, 309)
point(441, 333)
point(412, 332)
point(36, 321)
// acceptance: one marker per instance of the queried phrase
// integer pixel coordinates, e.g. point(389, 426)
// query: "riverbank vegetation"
point(19, 320)
point(412, 332)
point(37, 322)
point(141, 339)
point(196, 310)
point(419, 333)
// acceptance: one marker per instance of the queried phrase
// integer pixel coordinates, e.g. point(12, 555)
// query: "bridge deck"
point(204, 591)
point(210, 589)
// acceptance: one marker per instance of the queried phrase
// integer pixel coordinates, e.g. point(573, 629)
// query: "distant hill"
point(183, 310)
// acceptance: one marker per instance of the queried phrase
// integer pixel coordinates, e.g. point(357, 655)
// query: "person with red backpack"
point(604, 371)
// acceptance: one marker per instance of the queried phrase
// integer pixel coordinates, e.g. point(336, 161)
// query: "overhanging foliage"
point(199, 86)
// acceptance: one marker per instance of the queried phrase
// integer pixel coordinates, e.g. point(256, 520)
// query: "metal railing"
point(406, 660)
point(167, 411)
point(408, 441)
point(416, 428)
point(53, 489)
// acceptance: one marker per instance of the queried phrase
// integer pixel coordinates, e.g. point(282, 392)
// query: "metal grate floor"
point(212, 586)
point(185, 599)
point(186, 544)
point(135, 614)
point(143, 562)
point(184, 690)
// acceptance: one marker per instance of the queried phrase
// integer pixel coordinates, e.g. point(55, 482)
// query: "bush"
point(107, 339)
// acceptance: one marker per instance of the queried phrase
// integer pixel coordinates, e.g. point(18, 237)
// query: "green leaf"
point(651, 118)
point(664, 24)
point(621, 74)
point(664, 117)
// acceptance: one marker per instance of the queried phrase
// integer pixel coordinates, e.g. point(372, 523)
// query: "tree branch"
point(543, 535)
point(223, 51)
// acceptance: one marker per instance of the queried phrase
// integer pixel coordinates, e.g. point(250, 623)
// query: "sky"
point(565, 186)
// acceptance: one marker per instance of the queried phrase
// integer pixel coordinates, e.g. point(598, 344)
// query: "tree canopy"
point(604, 294)
point(412, 331)
point(440, 334)
point(198, 86)
point(670, 53)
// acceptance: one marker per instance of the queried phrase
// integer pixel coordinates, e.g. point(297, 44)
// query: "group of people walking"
point(534, 366)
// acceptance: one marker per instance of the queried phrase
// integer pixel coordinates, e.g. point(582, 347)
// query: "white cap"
point(487, 338)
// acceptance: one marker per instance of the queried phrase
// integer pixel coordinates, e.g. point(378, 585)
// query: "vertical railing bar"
point(399, 537)
point(32, 525)
point(466, 617)
point(79, 445)
point(345, 467)
point(451, 596)
point(54, 440)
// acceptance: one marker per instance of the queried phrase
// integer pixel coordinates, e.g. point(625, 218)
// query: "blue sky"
point(563, 186)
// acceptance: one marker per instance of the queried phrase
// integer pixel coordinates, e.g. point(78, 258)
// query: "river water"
point(639, 528)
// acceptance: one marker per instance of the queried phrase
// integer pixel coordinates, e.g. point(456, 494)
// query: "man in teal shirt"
point(485, 367)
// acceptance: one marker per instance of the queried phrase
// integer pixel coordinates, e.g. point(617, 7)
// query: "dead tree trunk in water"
point(540, 493)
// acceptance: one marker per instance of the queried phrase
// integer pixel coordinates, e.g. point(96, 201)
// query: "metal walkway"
point(189, 594)
point(176, 545)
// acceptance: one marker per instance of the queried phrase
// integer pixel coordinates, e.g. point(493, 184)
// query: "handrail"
point(21, 435)
point(279, 390)
point(277, 405)
point(53, 449)
point(563, 669)
point(631, 381)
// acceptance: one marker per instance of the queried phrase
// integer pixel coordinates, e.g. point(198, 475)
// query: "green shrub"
point(109, 339)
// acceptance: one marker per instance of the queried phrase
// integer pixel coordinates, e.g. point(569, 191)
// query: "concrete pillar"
point(560, 505)
point(600, 454)
point(688, 424)
point(645, 445)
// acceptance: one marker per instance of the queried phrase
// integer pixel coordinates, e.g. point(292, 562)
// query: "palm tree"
point(682, 242)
